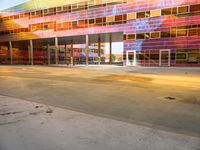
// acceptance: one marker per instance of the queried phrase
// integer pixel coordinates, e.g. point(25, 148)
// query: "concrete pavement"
point(167, 103)
point(26, 126)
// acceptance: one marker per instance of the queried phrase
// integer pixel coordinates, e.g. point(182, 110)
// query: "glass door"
point(131, 58)
point(164, 58)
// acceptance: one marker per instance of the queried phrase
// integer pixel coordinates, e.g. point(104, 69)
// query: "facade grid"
point(153, 32)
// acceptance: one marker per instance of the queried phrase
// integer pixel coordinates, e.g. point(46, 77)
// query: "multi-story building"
point(153, 32)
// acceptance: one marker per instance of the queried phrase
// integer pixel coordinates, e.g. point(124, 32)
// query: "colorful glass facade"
point(158, 32)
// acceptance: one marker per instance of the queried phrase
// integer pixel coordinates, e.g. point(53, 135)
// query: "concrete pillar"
point(29, 55)
point(110, 56)
point(31, 52)
point(71, 53)
point(99, 50)
point(56, 50)
point(49, 54)
point(65, 53)
point(87, 48)
point(11, 53)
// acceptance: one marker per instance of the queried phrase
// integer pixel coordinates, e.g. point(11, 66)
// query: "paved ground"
point(26, 126)
point(163, 100)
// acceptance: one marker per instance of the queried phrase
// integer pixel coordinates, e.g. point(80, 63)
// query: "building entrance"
point(164, 59)
point(131, 58)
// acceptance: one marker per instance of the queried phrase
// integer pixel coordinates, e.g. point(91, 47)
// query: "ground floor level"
point(96, 49)
point(163, 57)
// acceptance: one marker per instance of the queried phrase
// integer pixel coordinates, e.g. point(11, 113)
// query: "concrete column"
point(56, 50)
point(31, 52)
point(65, 54)
point(11, 53)
point(110, 56)
point(71, 52)
point(29, 55)
point(99, 50)
point(49, 54)
point(87, 48)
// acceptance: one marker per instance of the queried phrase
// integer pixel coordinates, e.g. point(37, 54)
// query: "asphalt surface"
point(168, 101)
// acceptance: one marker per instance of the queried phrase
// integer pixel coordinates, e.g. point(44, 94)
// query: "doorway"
point(164, 58)
point(131, 58)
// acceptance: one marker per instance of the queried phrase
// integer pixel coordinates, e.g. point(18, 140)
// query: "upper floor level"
point(108, 14)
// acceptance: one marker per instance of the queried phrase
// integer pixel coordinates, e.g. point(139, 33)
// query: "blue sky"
point(9, 3)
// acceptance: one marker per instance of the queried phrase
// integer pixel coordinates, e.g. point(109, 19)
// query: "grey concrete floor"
point(25, 125)
point(162, 98)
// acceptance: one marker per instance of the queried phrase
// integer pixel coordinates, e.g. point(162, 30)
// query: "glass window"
point(99, 20)
point(183, 9)
point(193, 57)
point(154, 55)
point(195, 9)
point(110, 19)
point(5, 18)
point(81, 6)
point(125, 17)
point(141, 15)
point(39, 26)
point(104, 21)
point(67, 25)
point(33, 14)
point(51, 11)
point(16, 16)
point(194, 26)
point(26, 14)
point(140, 36)
point(174, 11)
point(59, 9)
point(147, 14)
point(147, 35)
point(45, 11)
point(193, 31)
point(21, 15)
point(125, 36)
point(46, 26)
point(131, 36)
point(75, 23)
point(165, 34)
point(131, 16)
point(59, 26)
point(32, 27)
point(39, 13)
point(173, 31)
point(155, 35)
point(74, 6)
point(181, 56)
point(182, 33)
point(81, 23)
point(194, 51)
point(155, 13)
point(91, 21)
point(183, 27)
point(166, 11)
point(67, 8)
point(119, 18)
